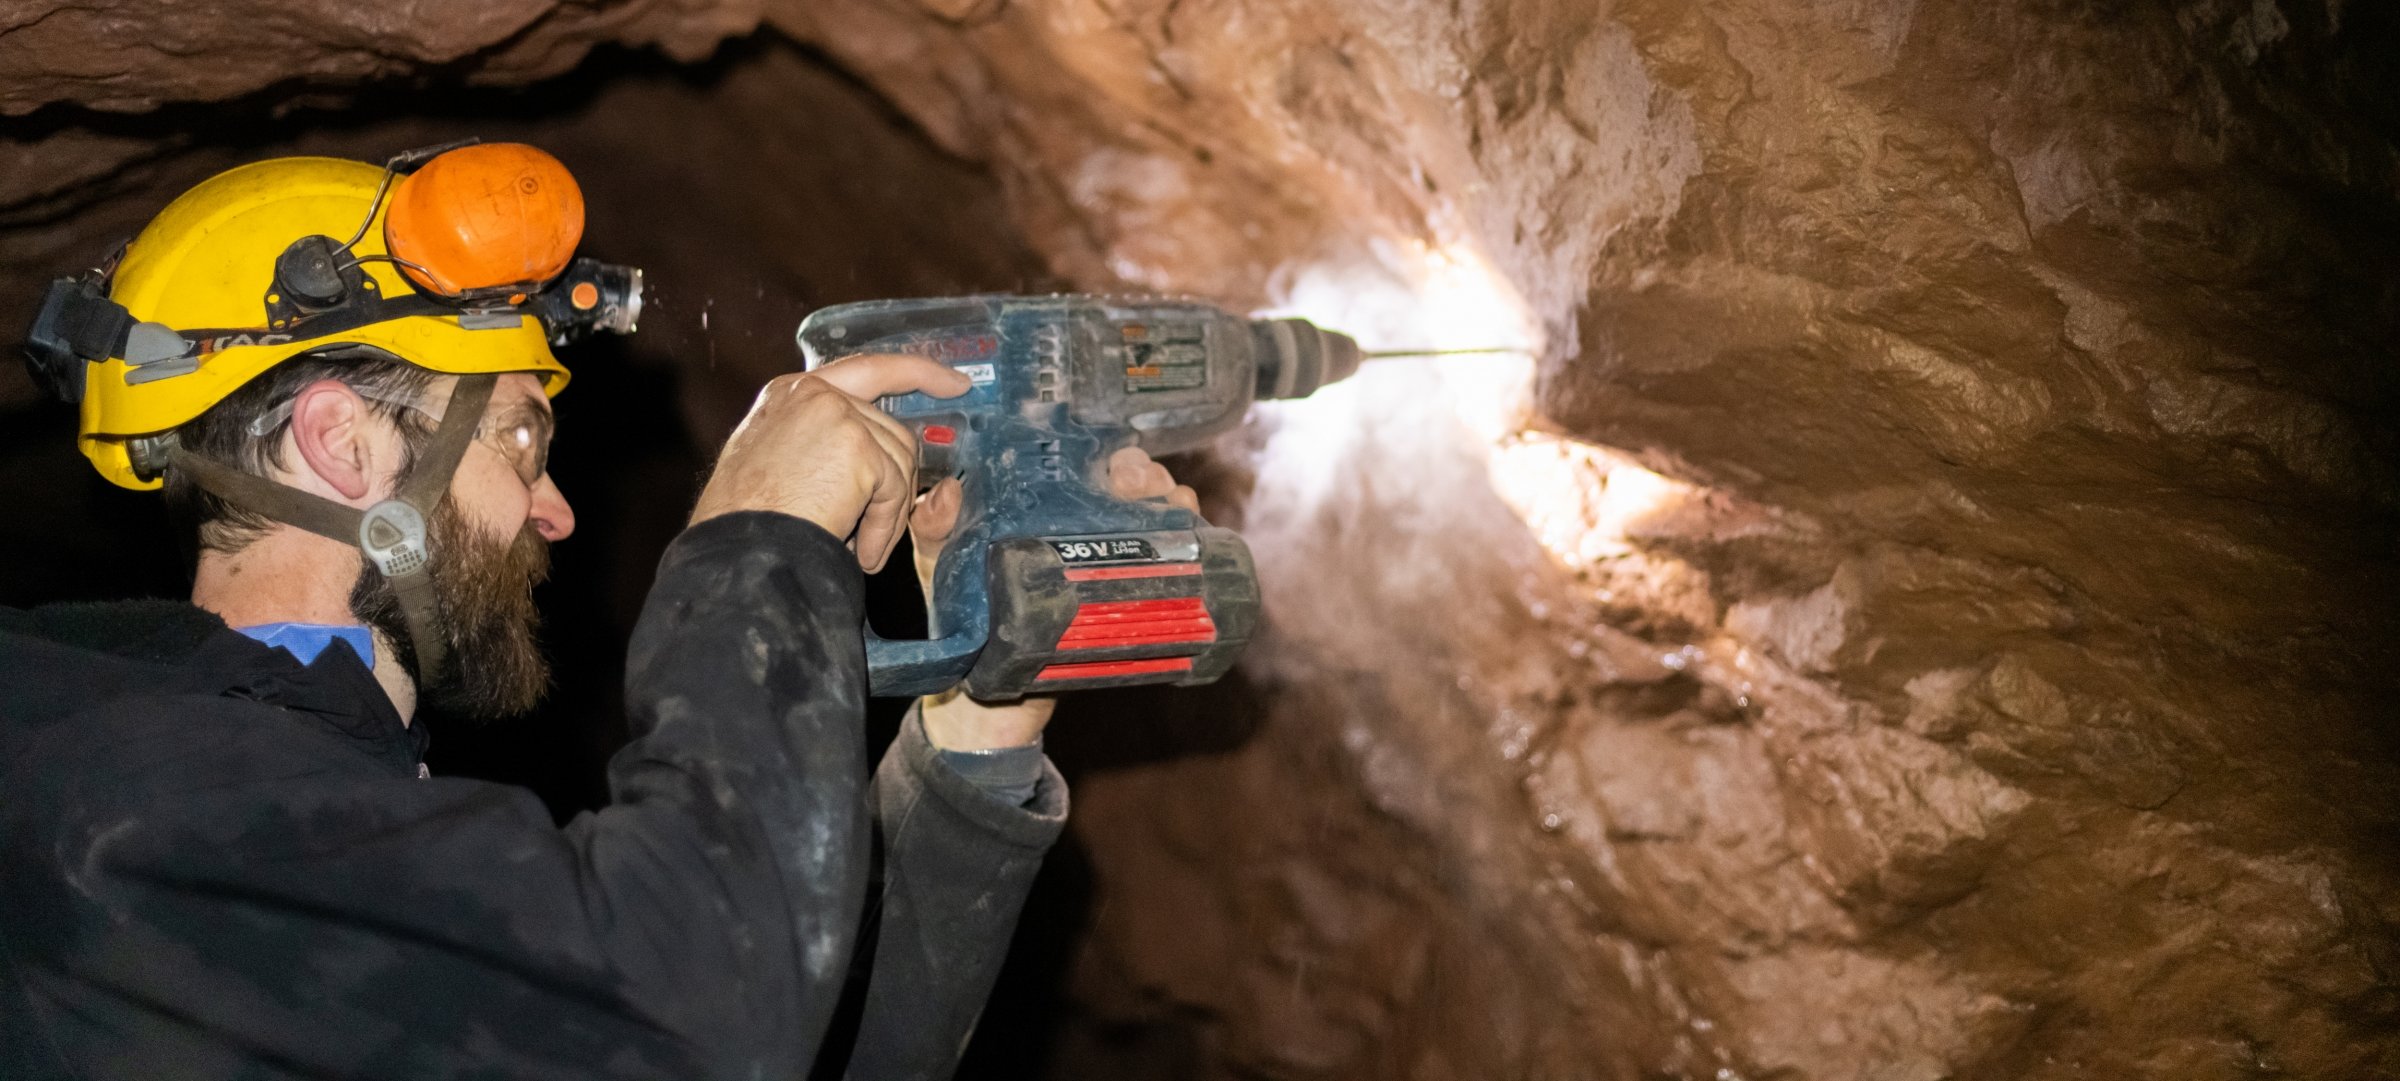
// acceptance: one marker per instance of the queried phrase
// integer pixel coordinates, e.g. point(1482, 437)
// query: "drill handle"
point(908, 668)
point(962, 619)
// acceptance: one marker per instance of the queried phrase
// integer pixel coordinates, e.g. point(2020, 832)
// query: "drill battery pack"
point(1075, 613)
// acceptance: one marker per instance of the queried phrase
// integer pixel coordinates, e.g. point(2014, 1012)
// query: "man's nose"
point(550, 514)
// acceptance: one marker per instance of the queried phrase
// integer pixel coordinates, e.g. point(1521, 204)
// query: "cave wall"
point(1942, 629)
point(1926, 617)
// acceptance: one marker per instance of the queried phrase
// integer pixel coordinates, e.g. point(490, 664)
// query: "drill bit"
point(1383, 354)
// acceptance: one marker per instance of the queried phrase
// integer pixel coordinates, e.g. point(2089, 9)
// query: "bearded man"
point(220, 853)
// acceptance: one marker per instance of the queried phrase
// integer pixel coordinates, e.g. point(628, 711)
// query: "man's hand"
point(815, 447)
point(955, 722)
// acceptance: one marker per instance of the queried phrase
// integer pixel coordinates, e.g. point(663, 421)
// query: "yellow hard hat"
point(207, 268)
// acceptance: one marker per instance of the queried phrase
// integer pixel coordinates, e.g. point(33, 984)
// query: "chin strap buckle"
point(392, 534)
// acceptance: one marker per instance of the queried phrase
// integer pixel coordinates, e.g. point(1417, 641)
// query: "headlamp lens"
point(590, 296)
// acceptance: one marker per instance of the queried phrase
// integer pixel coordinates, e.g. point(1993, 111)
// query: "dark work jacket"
point(218, 863)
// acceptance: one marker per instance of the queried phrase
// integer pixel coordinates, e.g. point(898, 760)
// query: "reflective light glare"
point(1405, 297)
point(1432, 299)
point(1581, 501)
point(1413, 298)
point(1578, 499)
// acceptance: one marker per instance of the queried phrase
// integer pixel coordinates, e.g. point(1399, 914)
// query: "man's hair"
point(224, 433)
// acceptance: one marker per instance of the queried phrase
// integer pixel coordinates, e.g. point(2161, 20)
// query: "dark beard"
point(483, 610)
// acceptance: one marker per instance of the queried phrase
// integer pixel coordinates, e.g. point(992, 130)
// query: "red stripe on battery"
point(1149, 570)
point(1159, 608)
point(1113, 624)
point(1199, 630)
point(1105, 669)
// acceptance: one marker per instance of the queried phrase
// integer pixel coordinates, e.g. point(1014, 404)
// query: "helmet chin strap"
point(392, 534)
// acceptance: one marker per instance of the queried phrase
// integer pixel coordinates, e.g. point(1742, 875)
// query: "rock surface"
point(1932, 620)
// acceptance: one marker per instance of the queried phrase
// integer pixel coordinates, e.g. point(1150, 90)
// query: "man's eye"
point(524, 445)
point(537, 451)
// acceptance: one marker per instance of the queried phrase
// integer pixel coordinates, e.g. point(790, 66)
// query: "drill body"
point(1050, 583)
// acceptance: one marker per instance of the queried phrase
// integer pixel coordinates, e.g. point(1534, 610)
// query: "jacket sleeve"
point(958, 862)
point(331, 924)
point(727, 875)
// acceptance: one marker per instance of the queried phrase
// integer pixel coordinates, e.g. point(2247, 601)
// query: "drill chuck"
point(1295, 357)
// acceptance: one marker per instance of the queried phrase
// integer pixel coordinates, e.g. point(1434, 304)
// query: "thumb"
point(936, 515)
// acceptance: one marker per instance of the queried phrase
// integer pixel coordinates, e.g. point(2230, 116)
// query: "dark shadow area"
point(1103, 730)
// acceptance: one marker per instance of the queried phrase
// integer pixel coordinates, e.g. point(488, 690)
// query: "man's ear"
point(333, 431)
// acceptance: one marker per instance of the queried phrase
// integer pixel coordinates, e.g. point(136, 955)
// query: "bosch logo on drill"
point(1105, 550)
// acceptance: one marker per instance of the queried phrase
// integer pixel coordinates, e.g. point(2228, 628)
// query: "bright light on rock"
point(1581, 501)
point(1412, 297)
point(1578, 499)
point(1404, 297)
point(1415, 297)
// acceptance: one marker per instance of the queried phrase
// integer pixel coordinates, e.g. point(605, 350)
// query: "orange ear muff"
point(484, 216)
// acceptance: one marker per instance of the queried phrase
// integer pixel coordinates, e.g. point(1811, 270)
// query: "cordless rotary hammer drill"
point(1050, 583)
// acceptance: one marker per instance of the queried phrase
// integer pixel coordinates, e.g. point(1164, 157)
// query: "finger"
point(894, 444)
point(1183, 496)
point(886, 516)
point(894, 437)
point(869, 376)
point(888, 506)
point(1125, 472)
point(1156, 481)
point(936, 515)
point(881, 419)
point(889, 431)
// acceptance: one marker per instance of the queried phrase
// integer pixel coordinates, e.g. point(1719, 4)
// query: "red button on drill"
point(940, 434)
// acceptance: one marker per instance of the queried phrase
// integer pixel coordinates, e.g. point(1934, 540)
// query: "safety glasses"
point(519, 433)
